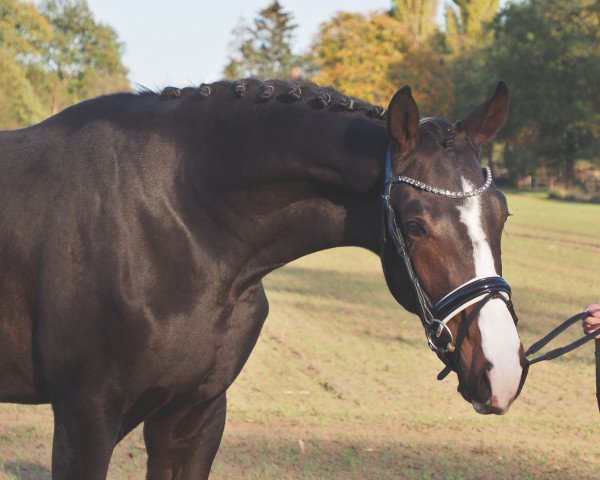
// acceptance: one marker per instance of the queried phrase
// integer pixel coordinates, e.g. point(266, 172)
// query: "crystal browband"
point(441, 191)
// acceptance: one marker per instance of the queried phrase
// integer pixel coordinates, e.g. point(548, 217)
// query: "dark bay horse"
point(136, 230)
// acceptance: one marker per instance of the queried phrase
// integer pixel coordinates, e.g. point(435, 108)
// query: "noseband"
point(477, 291)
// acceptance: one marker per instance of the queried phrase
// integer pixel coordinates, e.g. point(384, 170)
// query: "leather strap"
point(463, 330)
point(597, 352)
point(557, 352)
point(463, 296)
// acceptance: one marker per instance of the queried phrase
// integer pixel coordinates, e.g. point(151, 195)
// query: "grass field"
point(342, 385)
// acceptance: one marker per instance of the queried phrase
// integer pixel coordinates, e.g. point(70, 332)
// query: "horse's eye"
point(415, 229)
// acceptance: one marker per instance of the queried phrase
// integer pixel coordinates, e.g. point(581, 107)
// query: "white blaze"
point(499, 338)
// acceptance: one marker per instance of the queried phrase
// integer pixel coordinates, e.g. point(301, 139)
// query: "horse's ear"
point(403, 119)
point(486, 119)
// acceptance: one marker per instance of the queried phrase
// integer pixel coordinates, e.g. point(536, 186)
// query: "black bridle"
point(477, 291)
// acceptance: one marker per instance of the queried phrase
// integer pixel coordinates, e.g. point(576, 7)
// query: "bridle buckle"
point(437, 327)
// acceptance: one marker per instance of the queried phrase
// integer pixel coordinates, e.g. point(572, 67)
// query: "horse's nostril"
point(483, 389)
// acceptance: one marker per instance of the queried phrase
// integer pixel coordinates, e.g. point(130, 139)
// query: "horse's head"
point(442, 255)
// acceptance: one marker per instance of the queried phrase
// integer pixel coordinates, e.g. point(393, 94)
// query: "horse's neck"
point(294, 185)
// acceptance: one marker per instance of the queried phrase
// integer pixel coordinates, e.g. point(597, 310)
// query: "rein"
point(597, 353)
point(557, 352)
point(567, 348)
point(477, 291)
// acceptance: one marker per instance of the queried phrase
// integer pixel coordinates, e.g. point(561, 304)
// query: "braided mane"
point(282, 91)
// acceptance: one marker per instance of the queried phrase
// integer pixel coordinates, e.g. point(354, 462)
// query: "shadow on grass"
point(27, 471)
point(317, 458)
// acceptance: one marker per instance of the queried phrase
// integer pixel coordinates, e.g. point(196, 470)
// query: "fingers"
point(589, 329)
point(593, 320)
point(593, 309)
point(592, 323)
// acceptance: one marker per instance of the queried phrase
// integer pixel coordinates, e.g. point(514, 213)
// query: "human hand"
point(592, 322)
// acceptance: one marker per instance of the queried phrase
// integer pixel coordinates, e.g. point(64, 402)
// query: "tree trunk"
point(569, 163)
point(569, 171)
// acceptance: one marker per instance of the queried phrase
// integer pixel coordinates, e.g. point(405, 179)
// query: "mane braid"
point(239, 88)
point(284, 91)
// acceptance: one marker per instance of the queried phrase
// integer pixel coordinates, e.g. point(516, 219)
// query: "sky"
point(183, 42)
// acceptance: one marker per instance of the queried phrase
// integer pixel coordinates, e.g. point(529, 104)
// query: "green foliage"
point(23, 34)
point(85, 55)
point(468, 37)
point(549, 53)
point(470, 17)
point(356, 54)
point(371, 56)
point(52, 57)
point(418, 16)
point(19, 104)
point(263, 50)
point(23, 31)
point(79, 42)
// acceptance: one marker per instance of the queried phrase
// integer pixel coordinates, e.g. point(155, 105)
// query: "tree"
point(53, 57)
point(418, 16)
point(263, 50)
point(468, 35)
point(19, 104)
point(23, 30)
point(549, 53)
point(23, 34)
point(470, 17)
point(468, 38)
point(370, 56)
point(85, 55)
